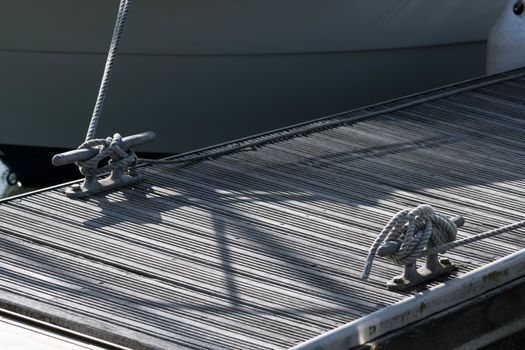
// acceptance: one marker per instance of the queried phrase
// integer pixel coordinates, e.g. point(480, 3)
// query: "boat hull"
point(203, 72)
point(191, 102)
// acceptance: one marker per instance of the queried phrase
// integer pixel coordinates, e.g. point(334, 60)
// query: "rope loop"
point(108, 147)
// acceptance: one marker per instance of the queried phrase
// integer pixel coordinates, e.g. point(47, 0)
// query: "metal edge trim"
point(420, 306)
point(64, 332)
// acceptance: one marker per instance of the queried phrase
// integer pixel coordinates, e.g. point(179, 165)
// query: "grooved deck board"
point(263, 248)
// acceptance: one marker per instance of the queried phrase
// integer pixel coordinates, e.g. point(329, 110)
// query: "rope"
point(115, 41)
point(108, 147)
point(504, 229)
point(422, 227)
point(416, 229)
point(313, 126)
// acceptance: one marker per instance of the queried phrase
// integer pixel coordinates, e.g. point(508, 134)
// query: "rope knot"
point(109, 147)
point(409, 233)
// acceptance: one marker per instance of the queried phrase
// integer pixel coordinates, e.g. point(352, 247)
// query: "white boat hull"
point(202, 72)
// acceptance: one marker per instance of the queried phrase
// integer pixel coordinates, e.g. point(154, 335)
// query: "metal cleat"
point(88, 156)
point(412, 276)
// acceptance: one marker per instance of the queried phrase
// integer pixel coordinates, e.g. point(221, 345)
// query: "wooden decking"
point(263, 248)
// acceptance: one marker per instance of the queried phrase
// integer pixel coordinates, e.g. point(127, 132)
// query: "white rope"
point(423, 232)
point(416, 229)
point(504, 229)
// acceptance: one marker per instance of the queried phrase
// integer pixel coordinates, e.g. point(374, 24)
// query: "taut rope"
point(106, 78)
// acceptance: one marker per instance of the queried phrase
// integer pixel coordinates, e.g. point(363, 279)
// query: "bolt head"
point(12, 179)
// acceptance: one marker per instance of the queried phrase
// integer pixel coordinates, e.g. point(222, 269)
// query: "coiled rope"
point(415, 228)
point(106, 78)
point(423, 232)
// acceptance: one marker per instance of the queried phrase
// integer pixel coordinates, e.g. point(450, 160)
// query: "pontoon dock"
point(263, 248)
